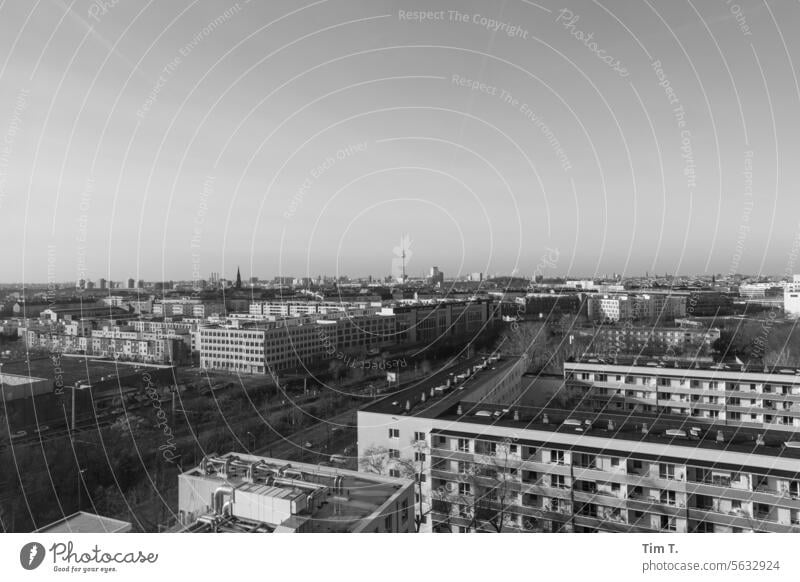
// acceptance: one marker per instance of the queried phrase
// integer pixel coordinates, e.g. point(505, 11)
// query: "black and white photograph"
point(399, 267)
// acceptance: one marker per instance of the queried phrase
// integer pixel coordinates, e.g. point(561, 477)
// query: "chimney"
point(459, 411)
point(720, 437)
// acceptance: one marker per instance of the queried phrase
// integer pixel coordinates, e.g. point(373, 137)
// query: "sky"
point(302, 138)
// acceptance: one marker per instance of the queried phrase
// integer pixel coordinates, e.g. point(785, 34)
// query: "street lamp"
point(252, 440)
point(80, 485)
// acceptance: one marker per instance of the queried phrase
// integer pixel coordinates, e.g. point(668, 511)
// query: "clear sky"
point(298, 138)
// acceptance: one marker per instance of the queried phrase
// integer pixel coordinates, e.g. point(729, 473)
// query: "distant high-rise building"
point(436, 276)
point(140, 284)
point(103, 284)
point(131, 283)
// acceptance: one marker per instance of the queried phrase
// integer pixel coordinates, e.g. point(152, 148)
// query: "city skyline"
point(485, 134)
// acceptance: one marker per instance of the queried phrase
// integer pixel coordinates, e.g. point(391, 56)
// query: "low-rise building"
point(245, 493)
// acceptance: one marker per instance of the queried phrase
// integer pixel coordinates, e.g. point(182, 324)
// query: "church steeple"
point(238, 278)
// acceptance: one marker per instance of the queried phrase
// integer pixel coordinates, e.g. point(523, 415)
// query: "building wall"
point(612, 485)
point(791, 299)
point(742, 399)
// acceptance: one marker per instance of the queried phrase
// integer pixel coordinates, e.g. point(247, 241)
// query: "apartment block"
point(649, 340)
point(429, 321)
point(700, 393)
point(630, 307)
point(513, 467)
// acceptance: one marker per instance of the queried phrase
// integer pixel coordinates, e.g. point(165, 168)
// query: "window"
point(394, 454)
point(464, 489)
point(463, 445)
point(668, 497)
point(419, 436)
point(394, 433)
point(667, 523)
point(419, 457)
point(666, 471)
point(404, 510)
point(387, 523)
point(463, 467)
point(557, 457)
point(557, 481)
point(394, 473)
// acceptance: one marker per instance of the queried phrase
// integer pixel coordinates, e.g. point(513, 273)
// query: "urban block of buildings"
point(534, 460)
point(239, 493)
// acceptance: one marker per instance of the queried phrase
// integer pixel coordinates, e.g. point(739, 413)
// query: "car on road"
point(42, 428)
point(338, 459)
point(19, 434)
point(308, 444)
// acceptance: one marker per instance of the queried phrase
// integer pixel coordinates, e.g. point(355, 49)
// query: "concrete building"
point(298, 308)
point(791, 297)
point(752, 398)
point(188, 307)
point(258, 346)
point(436, 276)
point(632, 307)
point(515, 467)
point(253, 346)
point(244, 493)
point(430, 321)
point(399, 426)
point(612, 341)
point(18, 387)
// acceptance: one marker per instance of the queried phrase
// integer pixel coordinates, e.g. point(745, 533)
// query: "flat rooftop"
point(74, 368)
point(18, 380)
point(83, 522)
point(540, 407)
point(666, 429)
point(358, 498)
point(655, 365)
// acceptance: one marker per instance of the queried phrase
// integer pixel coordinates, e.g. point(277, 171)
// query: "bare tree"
point(487, 499)
point(414, 468)
point(374, 460)
point(494, 509)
